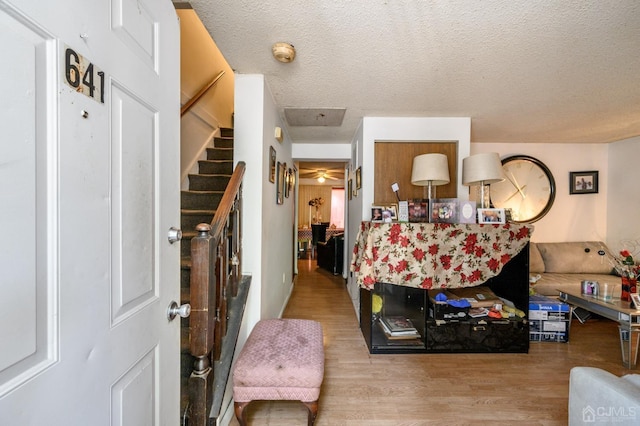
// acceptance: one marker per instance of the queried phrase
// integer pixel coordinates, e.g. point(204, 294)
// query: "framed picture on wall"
point(359, 178)
point(280, 183)
point(583, 182)
point(287, 174)
point(350, 188)
point(272, 164)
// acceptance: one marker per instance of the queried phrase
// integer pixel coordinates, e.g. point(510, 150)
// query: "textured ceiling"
point(524, 71)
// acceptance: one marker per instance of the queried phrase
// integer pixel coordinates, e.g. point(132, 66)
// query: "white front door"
point(89, 187)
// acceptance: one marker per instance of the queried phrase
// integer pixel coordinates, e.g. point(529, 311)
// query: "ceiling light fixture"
point(283, 52)
point(321, 179)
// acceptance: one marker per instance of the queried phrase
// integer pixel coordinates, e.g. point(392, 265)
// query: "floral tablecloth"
point(434, 255)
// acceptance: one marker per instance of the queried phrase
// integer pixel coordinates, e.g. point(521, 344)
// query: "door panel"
point(133, 148)
point(27, 292)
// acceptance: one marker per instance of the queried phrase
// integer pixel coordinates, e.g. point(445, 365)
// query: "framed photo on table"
point(376, 213)
point(491, 216)
point(418, 211)
point(390, 213)
point(443, 210)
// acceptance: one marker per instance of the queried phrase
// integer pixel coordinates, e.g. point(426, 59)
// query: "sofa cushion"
point(550, 284)
point(575, 257)
point(536, 264)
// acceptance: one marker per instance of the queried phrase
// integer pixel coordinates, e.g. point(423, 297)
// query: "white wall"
point(397, 129)
point(578, 217)
point(267, 234)
point(623, 219)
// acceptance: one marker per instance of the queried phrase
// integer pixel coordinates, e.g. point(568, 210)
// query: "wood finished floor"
point(432, 389)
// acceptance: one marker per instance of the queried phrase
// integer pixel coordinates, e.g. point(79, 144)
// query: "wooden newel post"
point(202, 321)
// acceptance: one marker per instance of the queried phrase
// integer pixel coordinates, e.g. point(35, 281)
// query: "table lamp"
point(482, 169)
point(430, 170)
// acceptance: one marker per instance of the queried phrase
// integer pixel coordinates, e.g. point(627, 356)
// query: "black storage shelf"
point(468, 335)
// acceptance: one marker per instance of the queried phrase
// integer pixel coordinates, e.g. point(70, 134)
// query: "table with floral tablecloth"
point(434, 255)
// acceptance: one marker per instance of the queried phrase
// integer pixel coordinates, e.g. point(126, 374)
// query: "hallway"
point(431, 389)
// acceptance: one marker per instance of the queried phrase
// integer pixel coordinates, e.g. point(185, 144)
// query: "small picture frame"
point(350, 188)
point(443, 210)
point(467, 212)
point(583, 182)
point(359, 178)
point(491, 216)
point(272, 164)
point(418, 211)
point(635, 298)
point(376, 213)
point(390, 213)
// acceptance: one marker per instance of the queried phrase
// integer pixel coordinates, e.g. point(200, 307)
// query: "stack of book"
point(398, 328)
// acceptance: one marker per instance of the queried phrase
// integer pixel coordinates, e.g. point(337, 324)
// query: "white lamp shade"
point(430, 169)
point(481, 169)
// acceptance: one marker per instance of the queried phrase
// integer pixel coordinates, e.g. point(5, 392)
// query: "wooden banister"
point(191, 102)
point(215, 275)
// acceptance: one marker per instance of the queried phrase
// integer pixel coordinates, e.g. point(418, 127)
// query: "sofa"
point(563, 265)
point(599, 397)
point(331, 254)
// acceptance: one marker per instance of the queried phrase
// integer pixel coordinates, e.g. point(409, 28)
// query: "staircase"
point(198, 205)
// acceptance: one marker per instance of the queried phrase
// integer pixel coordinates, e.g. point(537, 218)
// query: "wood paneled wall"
point(393, 163)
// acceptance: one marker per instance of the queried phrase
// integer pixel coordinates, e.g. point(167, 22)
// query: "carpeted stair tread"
point(219, 153)
point(222, 142)
point(200, 182)
point(215, 166)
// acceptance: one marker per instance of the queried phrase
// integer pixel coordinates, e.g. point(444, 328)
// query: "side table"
point(623, 313)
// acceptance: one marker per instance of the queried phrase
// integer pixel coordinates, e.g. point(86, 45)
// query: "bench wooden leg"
point(313, 411)
point(238, 408)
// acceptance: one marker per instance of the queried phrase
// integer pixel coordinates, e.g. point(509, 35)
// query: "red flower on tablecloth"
point(493, 264)
point(374, 252)
point(479, 251)
point(504, 259)
point(433, 249)
point(402, 266)
point(522, 233)
point(369, 281)
point(418, 254)
point(427, 283)
point(470, 243)
point(475, 276)
point(445, 261)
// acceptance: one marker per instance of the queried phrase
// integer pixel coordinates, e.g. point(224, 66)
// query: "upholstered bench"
point(283, 359)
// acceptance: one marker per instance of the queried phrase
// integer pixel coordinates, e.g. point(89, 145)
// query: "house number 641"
point(83, 76)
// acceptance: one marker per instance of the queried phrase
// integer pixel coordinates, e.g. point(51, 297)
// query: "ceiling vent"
point(314, 116)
